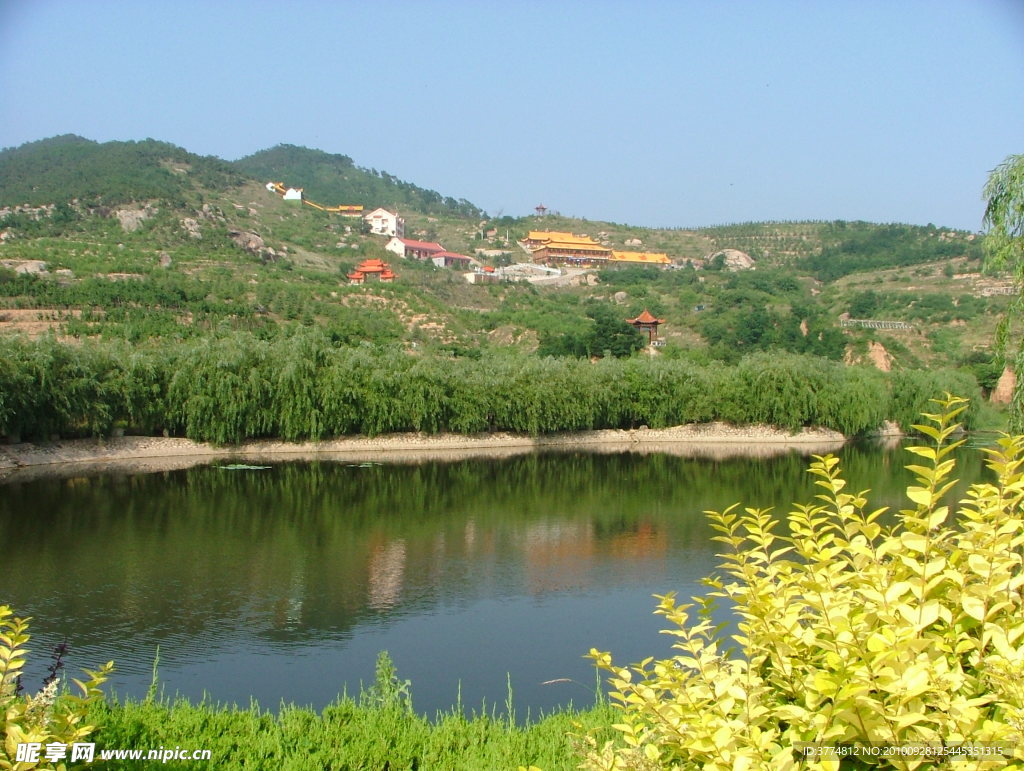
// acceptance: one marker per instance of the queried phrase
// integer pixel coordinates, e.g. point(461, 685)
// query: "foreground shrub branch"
point(858, 627)
point(52, 716)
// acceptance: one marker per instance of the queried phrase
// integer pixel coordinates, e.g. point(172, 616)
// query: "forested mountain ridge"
point(335, 179)
point(69, 167)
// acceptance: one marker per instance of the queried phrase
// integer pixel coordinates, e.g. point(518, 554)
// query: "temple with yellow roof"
point(554, 247)
point(537, 238)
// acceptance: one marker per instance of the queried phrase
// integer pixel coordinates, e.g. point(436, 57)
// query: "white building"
point(385, 223)
point(289, 194)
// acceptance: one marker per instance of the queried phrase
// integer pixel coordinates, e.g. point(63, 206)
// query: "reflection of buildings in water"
point(563, 555)
point(640, 543)
point(558, 555)
point(386, 575)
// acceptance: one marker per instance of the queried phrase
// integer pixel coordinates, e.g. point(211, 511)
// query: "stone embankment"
point(141, 454)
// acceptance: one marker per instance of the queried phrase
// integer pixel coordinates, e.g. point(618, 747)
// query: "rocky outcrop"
point(254, 244)
point(30, 267)
point(732, 259)
point(132, 219)
point(246, 239)
point(191, 227)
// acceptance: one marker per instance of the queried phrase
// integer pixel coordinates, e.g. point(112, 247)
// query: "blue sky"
point(645, 112)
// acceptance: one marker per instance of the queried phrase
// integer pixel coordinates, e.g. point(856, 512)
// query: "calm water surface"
point(285, 583)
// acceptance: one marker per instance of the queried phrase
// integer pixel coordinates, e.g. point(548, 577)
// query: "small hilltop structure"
point(647, 322)
point(295, 195)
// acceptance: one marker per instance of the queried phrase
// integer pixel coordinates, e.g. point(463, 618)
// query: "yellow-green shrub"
point(47, 717)
point(850, 631)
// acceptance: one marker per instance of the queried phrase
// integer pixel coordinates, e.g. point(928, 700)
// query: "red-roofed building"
point(371, 270)
point(452, 259)
point(417, 250)
point(645, 322)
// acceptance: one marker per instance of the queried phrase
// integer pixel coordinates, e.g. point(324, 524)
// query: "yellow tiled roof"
point(574, 245)
point(547, 235)
point(654, 258)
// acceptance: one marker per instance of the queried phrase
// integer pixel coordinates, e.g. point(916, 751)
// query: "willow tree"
point(1004, 246)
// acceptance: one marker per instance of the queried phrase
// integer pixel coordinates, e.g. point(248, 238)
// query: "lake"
point(284, 583)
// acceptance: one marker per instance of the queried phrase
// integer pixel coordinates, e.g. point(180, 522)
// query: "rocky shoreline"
point(144, 454)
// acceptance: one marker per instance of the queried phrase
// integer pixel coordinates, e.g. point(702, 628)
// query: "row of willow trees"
point(303, 386)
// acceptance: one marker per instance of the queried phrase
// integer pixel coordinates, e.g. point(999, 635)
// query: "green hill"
point(335, 179)
point(68, 167)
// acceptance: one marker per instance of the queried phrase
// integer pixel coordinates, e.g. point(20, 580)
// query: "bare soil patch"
point(34, 322)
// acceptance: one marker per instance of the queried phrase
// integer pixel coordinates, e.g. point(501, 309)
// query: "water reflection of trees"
point(306, 549)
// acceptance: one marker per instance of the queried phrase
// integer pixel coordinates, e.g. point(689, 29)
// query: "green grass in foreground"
point(376, 731)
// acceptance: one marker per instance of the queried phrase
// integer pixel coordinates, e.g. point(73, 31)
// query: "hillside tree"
point(1004, 246)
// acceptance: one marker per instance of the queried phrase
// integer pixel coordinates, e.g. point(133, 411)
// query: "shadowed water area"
point(284, 583)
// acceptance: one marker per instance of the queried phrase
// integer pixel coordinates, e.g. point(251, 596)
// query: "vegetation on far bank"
point(303, 386)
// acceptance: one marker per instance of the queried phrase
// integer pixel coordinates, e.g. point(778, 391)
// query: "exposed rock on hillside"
point(246, 239)
point(132, 219)
point(254, 244)
point(733, 259)
point(24, 266)
point(192, 227)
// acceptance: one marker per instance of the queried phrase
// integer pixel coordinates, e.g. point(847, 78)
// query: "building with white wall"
point(385, 223)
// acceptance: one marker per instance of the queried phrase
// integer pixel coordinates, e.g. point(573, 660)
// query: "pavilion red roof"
point(373, 265)
point(645, 318)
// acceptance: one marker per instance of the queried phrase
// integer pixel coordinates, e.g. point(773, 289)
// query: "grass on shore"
point(377, 730)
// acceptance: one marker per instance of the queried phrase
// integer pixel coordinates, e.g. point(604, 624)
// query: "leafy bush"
point(851, 631)
point(49, 716)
